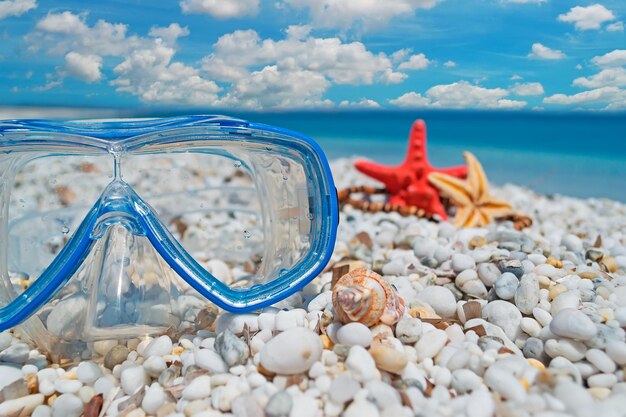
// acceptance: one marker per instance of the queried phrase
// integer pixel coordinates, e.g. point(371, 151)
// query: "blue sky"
point(300, 54)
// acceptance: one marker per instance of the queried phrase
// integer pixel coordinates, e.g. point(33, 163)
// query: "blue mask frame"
point(45, 137)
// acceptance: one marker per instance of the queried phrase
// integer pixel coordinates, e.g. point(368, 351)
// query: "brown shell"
point(364, 296)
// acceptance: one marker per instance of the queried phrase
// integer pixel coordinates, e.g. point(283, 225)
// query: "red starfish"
point(408, 183)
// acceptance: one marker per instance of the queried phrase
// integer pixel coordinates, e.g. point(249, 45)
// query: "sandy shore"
point(498, 322)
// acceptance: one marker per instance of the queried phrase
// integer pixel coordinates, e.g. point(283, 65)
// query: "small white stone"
point(236, 323)
point(464, 380)
point(409, 329)
point(572, 243)
point(211, 360)
point(461, 262)
point(361, 364)
point(527, 294)
point(160, 346)
point(488, 274)
point(320, 302)
point(542, 316)
point(86, 393)
point(616, 351)
point(354, 334)
point(219, 270)
point(361, 408)
point(304, 406)
point(468, 282)
point(104, 385)
point(198, 388)
point(504, 315)
point(569, 299)
point(503, 382)
point(292, 351)
point(480, 404)
point(67, 405)
point(22, 406)
point(153, 399)
point(9, 375)
point(88, 372)
point(574, 324)
point(133, 378)
point(267, 321)
point(572, 350)
point(343, 388)
point(42, 411)
point(67, 386)
point(530, 326)
point(600, 360)
point(5, 340)
point(602, 380)
point(440, 299)
point(506, 286)
point(154, 365)
point(430, 344)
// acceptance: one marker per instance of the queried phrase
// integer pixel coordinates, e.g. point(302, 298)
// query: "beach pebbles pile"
point(498, 322)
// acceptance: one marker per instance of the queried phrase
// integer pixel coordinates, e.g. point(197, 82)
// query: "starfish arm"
point(416, 153)
point(464, 216)
point(476, 178)
point(453, 187)
point(382, 173)
point(457, 171)
point(496, 208)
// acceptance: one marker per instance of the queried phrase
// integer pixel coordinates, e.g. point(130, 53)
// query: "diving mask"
point(188, 211)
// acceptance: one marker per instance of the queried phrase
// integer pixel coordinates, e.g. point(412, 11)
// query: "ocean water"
point(575, 154)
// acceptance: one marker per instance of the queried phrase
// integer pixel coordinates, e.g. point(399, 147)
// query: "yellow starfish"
point(475, 206)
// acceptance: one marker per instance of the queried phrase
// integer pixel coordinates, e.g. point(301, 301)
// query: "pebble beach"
point(498, 322)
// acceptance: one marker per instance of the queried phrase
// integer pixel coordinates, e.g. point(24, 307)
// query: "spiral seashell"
point(364, 296)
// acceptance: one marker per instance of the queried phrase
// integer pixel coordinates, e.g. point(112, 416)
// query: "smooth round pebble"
point(292, 351)
point(574, 324)
point(354, 334)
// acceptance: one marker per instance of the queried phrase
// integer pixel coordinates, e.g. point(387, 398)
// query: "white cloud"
point(579, 67)
point(449, 64)
point(586, 18)
point(540, 51)
point(459, 95)
point(364, 14)
point(615, 77)
point(272, 88)
point(83, 67)
point(527, 89)
point(169, 34)
point(221, 9)
point(147, 70)
point(364, 103)
point(614, 97)
point(615, 58)
point(411, 99)
point(150, 75)
point(15, 7)
point(342, 63)
point(415, 62)
point(516, 77)
point(615, 27)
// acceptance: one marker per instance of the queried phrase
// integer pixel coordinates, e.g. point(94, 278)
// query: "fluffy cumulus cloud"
point(83, 67)
point(459, 95)
point(415, 62)
point(147, 68)
point(587, 18)
point(449, 64)
point(362, 14)
point(525, 1)
point(364, 103)
point(615, 27)
point(15, 7)
point(605, 87)
point(298, 69)
point(540, 51)
point(221, 9)
point(527, 89)
point(613, 97)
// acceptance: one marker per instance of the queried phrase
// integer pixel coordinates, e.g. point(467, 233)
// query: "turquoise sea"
point(576, 154)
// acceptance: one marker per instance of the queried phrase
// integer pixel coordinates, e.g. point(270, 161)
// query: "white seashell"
point(364, 296)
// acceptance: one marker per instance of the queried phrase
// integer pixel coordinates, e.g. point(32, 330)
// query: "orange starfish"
point(475, 206)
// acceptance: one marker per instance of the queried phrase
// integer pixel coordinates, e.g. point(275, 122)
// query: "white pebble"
point(211, 360)
point(198, 388)
point(616, 350)
point(602, 380)
point(573, 323)
point(354, 334)
point(133, 378)
point(430, 344)
point(361, 364)
point(600, 360)
point(154, 365)
point(292, 351)
point(153, 399)
point(440, 299)
point(503, 382)
point(160, 346)
point(67, 386)
point(461, 262)
point(67, 405)
point(88, 372)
